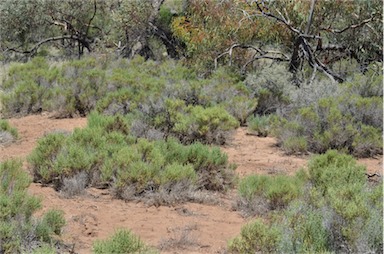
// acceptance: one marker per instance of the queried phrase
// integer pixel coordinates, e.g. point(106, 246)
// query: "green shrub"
point(42, 160)
point(295, 145)
point(335, 211)
point(106, 156)
point(19, 231)
point(256, 237)
point(123, 241)
point(259, 124)
point(277, 191)
point(346, 124)
point(51, 224)
point(8, 134)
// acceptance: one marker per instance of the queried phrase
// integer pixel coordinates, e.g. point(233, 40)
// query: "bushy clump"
point(20, 232)
point(189, 123)
point(256, 237)
point(105, 155)
point(270, 86)
point(323, 115)
point(349, 124)
point(259, 124)
point(26, 88)
point(336, 212)
point(158, 94)
point(8, 134)
point(123, 241)
point(259, 193)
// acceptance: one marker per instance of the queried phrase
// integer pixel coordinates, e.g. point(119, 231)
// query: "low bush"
point(260, 193)
point(256, 237)
point(259, 124)
point(271, 86)
point(20, 232)
point(122, 241)
point(338, 211)
point(105, 155)
point(323, 115)
point(8, 133)
point(347, 124)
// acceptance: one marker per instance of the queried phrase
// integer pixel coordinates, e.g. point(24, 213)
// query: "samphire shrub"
point(20, 231)
point(107, 156)
point(338, 211)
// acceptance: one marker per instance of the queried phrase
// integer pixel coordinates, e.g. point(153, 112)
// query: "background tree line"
point(204, 33)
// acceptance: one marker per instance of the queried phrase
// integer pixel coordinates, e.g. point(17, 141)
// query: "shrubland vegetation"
point(163, 82)
point(8, 133)
point(106, 154)
point(123, 241)
point(330, 208)
point(20, 232)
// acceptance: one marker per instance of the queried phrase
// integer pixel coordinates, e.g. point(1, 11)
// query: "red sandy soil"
point(207, 228)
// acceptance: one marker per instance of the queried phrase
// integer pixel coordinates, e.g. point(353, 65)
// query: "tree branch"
point(33, 50)
point(339, 31)
point(263, 54)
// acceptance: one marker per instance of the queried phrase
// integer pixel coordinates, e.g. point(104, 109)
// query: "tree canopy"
point(205, 33)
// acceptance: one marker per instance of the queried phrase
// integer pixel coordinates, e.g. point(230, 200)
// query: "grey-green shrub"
point(107, 156)
point(20, 232)
point(122, 241)
point(8, 133)
point(259, 124)
point(276, 191)
point(256, 237)
point(338, 211)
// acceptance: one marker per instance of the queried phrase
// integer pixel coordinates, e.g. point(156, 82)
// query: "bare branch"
point(337, 31)
point(281, 20)
point(33, 50)
point(263, 54)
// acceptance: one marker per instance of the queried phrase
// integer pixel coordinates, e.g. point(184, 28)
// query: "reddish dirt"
point(96, 215)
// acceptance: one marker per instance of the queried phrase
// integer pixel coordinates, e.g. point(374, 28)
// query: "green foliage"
point(123, 241)
point(278, 190)
point(259, 124)
point(345, 121)
point(335, 211)
point(8, 133)
point(256, 237)
point(18, 228)
point(50, 225)
point(6, 127)
point(166, 98)
point(108, 156)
